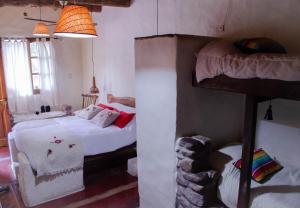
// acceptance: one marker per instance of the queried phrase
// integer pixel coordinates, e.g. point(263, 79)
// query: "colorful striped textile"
point(262, 167)
point(259, 45)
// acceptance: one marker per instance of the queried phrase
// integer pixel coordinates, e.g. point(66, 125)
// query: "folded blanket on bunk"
point(51, 149)
point(221, 57)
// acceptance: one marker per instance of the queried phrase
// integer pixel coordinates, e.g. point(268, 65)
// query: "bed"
point(102, 146)
point(51, 156)
point(283, 189)
point(259, 77)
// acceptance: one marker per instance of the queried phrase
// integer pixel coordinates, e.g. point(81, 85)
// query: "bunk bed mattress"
point(95, 140)
point(221, 57)
point(282, 190)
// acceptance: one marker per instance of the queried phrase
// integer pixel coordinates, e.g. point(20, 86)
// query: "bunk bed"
point(255, 90)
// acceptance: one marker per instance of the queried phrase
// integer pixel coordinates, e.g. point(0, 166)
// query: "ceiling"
point(94, 5)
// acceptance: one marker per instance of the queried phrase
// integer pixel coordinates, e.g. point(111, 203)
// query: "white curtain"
point(17, 75)
point(46, 61)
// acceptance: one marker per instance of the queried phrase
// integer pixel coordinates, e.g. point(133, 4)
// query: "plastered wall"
point(156, 117)
point(217, 115)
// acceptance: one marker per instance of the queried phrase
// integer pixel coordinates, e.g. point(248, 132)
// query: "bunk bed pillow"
point(105, 118)
point(259, 45)
point(263, 166)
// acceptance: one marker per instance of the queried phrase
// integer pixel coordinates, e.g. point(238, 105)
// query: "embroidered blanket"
point(51, 149)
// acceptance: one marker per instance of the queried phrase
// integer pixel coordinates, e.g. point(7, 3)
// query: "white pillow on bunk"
point(105, 118)
point(89, 112)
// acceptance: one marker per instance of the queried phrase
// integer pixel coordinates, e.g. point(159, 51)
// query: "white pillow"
point(105, 118)
point(89, 112)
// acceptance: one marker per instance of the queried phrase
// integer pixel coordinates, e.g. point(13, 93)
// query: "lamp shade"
point(75, 22)
point(41, 30)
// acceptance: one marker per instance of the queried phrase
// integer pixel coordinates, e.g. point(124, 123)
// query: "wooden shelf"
point(255, 87)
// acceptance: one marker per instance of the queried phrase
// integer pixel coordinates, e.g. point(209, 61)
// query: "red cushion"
point(106, 107)
point(123, 119)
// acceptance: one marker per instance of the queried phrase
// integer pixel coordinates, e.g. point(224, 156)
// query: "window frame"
point(30, 57)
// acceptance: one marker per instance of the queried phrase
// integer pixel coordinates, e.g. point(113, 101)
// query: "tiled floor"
point(95, 193)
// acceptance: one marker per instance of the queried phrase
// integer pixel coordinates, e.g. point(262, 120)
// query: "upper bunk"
point(222, 66)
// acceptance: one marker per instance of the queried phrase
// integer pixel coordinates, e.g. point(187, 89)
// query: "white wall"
point(69, 71)
point(68, 51)
point(156, 130)
point(114, 48)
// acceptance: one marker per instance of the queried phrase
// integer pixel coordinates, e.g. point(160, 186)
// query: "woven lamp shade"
point(41, 30)
point(75, 22)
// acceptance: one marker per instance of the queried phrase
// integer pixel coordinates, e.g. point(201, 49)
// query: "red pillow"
point(107, 107)
point(123, 119)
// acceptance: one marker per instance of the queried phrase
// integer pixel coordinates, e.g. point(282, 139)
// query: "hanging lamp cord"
point(157, 17)
point(40, 10)
point(93, 57)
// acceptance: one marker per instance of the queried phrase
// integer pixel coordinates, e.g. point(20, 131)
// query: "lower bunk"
point(280, 189)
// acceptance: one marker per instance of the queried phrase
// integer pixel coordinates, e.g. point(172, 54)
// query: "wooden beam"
point(94, 3)
point(247, 153)
point(114, 3)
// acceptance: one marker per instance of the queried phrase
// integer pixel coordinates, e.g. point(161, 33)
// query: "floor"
point(113, 188)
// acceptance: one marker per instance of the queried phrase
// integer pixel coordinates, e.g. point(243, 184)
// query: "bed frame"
point(255, 90)
point(93, 164)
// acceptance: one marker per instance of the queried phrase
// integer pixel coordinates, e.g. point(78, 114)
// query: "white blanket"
point(281, 191)
point(221, 57)
point(51, 149)
point(95, 140)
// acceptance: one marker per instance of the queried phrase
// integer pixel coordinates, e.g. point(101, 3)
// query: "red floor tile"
point(6, 175)
point(126, 199)
point(4, 152)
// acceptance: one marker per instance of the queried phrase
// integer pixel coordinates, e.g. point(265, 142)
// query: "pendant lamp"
point(41, 29)
point(94, 89)
point(75, 22)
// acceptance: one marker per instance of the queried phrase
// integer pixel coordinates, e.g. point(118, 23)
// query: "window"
point(35, 68)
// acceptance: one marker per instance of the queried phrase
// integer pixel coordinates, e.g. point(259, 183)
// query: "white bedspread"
point(95, 140)
point(221, 57)
point(281, 191)
point(51, 149)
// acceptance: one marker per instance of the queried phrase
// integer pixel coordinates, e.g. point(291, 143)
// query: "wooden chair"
point(88, 99)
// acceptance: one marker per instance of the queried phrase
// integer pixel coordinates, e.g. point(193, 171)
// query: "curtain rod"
point(31, 38)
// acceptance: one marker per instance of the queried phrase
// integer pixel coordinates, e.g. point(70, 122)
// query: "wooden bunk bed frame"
point(255, 91)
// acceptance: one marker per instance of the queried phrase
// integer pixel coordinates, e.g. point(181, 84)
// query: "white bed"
point(283, 189)
point(59, 168)
point(95, 140)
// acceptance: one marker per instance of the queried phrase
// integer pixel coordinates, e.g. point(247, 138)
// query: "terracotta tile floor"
point(95, 186)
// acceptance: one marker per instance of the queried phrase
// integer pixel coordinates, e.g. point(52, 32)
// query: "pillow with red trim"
point(263, 166)
point(106, 107)
point(123, 119)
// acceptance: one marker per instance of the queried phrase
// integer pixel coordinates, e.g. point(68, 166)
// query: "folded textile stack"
point(196, 182)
